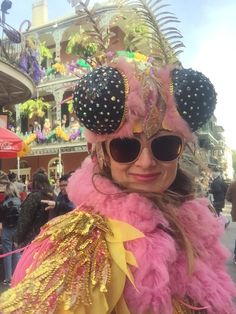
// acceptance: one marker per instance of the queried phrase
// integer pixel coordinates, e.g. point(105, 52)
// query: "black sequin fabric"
point(99, 100)
point(195, 96)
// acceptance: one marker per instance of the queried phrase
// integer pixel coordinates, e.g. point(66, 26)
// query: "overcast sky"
point(209, 31)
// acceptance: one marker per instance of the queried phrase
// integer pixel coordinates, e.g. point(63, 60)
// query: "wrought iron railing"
point(11, 44)
point(15, 50)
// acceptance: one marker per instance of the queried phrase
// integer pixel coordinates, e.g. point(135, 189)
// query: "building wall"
point(71, 162)
point(39, 13)
point(229, 171)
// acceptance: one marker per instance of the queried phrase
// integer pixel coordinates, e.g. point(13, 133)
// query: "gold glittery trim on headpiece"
point(137, 126)
point(171, 88)
point(154, 120)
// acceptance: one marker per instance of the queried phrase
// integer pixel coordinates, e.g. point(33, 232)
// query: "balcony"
point(15, 85)
point(207, 140)
point(77, 146)
point(65, 140)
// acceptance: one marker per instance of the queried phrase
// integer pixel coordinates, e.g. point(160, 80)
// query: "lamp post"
point(5, 6)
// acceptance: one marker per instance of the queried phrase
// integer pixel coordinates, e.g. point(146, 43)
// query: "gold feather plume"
point(160, 40)
point(98, 33)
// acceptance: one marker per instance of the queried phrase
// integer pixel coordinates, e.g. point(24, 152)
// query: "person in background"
point(9, 214)
point(21, 187)
point(36, 126)
point(139, 241)
point(74, 125)
point(46, 127)
point(64, 121)
point(57, 186)
point(41, 170)
point(4, 180)
point(31, 129)
point(33, 215)
point(231, 197)
point(218, 188)
point(62, 205)
point(29, 185)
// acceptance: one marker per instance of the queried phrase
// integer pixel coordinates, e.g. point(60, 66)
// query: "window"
point(55, 169)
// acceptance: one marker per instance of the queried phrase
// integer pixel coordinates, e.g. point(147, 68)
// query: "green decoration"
point(51, 135)
point(44, 51)
point(34, 107)
point(82, 63)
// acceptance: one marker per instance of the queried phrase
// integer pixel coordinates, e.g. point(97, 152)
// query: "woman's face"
point(146, 173)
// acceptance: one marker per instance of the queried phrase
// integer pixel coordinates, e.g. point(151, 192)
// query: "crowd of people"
point(24, 210)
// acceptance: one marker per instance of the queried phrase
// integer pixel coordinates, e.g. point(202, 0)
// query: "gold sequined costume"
point(79, 266)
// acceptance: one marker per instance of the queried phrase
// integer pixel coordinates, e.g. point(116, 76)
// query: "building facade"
point(54, 136)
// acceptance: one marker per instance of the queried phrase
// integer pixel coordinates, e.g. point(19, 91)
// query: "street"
point(229, 240)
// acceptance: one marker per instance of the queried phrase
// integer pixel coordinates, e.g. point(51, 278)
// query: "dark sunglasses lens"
point(166, 148)
point(124, 150)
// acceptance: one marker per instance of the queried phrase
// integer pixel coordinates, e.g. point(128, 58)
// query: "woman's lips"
point(145, 177)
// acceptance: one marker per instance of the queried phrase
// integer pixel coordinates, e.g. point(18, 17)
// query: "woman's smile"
point(145, 177)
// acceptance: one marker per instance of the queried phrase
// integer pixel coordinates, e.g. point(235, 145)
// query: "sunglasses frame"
point(147, 144)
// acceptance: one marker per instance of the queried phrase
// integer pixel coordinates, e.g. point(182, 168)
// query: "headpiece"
point(127, 92)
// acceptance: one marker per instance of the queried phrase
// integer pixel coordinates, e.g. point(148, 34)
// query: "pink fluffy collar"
point(162, 272)
point(132, 208)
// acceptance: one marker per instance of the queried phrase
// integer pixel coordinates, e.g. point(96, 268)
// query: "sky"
point(209, 35)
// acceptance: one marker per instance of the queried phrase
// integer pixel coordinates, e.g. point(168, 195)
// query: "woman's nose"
point(146, 159)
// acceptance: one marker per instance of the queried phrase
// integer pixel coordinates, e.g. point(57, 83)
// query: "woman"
point(9, 214)
point(138, 241)
point(33, 215)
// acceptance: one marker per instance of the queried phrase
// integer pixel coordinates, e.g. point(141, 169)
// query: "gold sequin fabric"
point(62, 270)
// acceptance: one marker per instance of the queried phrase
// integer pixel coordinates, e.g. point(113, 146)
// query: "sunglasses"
point(163, 148)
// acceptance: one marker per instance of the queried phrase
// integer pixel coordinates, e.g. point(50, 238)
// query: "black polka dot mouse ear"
point(195, 96)
point(99, 100)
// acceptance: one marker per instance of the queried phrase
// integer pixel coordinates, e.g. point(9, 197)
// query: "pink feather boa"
point(162, 272)
point(162, 267)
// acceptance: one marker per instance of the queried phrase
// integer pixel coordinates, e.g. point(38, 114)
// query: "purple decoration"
point(72, 66)
point(29, 64)
point(150, 59)
point(73, 136)
point(37, 72)
point(110, 54)
point(23, 62)
point(40, 136)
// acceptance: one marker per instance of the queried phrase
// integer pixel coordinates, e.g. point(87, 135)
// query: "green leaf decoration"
point(44, 51)
point(81, 45)
point(34, 107)
point(70, 106)
point(95, 40)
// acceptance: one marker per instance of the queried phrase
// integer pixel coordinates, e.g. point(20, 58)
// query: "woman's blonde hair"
point(11, 190)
